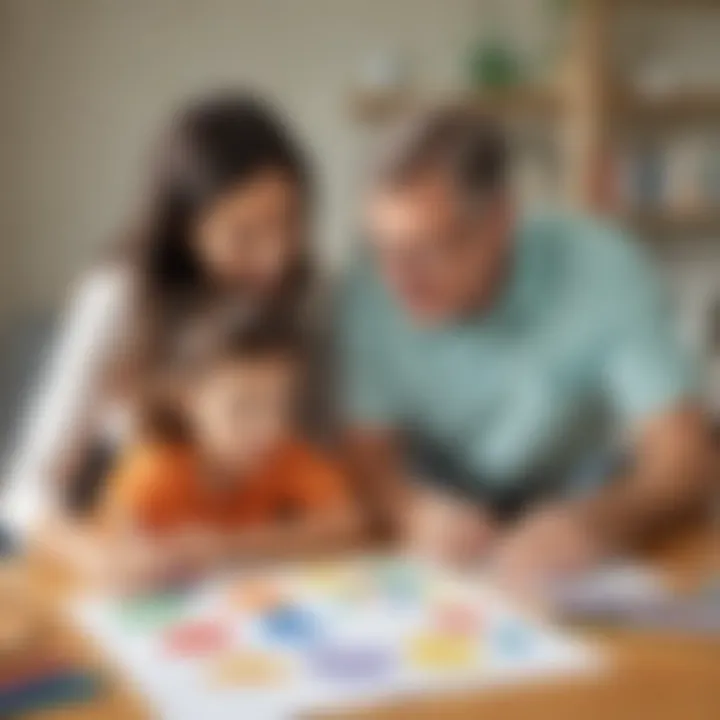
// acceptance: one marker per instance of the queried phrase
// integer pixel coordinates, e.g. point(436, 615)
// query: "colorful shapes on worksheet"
point(201, 637)
point(511, 638)
point(456, 618)
point(323, 577)
point(400, 581)
point(358, 591)
point(343, 663)
point(440, 652)
point(257, 595)
point(250, 668)
point(291, 625)
point(151, 612)
point(337, 584)
point(300, 638)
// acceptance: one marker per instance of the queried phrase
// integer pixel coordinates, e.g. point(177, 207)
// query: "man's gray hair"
point(468, 146)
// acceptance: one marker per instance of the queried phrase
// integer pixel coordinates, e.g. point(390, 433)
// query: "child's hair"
point(230, 336)
point(206, 343)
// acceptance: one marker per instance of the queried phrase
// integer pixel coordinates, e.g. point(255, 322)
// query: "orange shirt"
point(160, 487)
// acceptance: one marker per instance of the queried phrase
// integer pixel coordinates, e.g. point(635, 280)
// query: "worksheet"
point(322, 636)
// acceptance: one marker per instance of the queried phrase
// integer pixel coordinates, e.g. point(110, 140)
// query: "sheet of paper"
point(615, 588)
point(326, 635)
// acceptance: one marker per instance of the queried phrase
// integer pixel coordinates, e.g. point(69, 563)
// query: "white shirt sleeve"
point(59, 419)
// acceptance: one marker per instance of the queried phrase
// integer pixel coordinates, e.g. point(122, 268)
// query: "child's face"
point(241, 409)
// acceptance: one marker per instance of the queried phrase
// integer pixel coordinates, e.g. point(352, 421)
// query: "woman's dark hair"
point(213, 145)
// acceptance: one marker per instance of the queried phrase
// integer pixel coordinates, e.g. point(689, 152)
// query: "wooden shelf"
point(631, 106)
point(510, 103)
point(656, 223)
point(677, 107)
point(689, 4)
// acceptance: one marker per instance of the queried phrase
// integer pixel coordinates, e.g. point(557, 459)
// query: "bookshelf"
point(588, 108)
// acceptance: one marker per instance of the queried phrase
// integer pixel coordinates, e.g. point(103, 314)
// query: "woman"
point(225, 227)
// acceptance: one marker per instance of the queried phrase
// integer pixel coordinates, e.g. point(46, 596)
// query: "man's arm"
point(651, 385)
point(674, 470)
point(654, 385)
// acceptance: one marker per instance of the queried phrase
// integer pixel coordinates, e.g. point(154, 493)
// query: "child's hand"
point(131, 562)
point(448, 531)
point(199, 549)
point(552, 542)
point(136, 567)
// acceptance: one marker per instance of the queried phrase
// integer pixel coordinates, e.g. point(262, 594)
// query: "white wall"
point(87, 83)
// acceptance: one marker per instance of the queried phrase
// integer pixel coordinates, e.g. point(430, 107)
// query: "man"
point(496, 366)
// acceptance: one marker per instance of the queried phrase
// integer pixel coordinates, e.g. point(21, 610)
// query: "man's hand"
point(552, 542)
point(672, 474)
point(446, 530)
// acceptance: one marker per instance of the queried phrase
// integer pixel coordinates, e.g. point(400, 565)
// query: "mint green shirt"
point(579, 345)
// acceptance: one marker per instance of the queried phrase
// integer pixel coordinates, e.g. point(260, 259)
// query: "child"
point(231, 480)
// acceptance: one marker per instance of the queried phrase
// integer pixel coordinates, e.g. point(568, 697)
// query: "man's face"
point(440, 257)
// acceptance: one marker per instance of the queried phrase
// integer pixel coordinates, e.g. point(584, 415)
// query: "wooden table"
point(649, 675)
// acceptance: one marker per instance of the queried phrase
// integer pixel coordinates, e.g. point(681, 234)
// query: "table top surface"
point(649, 674)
